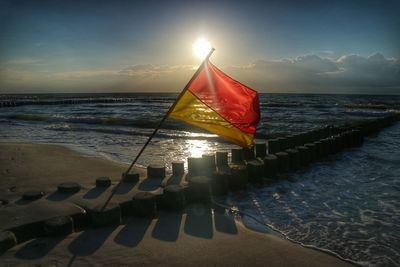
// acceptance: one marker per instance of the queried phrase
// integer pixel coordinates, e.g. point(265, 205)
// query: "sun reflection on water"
point(196, 148)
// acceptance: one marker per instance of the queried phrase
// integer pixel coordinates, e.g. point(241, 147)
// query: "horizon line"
point(177, 92)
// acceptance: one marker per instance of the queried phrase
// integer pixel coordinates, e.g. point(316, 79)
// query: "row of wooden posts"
point(15, 103)
point(212, 174)
point(217, 174)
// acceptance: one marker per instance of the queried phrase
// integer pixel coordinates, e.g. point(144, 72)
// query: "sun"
point(201, 48)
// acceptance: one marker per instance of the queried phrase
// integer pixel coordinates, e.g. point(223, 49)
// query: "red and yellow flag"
point(216, 102)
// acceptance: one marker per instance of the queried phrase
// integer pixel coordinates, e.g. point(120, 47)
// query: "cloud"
point(156, 78)
point(301, 65)
point(309, 73)
point(21, 61)
point(17, 80)
point(82, 74)
point(324, 53)
point(349, 73)
point(375, 63)
point(152, 71)
point(375, 70)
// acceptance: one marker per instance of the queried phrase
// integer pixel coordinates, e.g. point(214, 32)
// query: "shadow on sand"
point(38, 248)
point(21, 201)
point(224, 223)
point(89, 241)
point(95, 192)
point(124, 188)
point(199, 221)
point(133, 232)
point(175, 179)
point(149, 184)
point(57, 196)
point(168, 226)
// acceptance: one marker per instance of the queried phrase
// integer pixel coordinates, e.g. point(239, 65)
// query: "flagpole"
point(158, 126)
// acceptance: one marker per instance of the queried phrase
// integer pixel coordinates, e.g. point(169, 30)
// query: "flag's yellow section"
point(191, 110)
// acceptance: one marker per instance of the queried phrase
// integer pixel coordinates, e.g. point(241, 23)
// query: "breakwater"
point(211, 174)
point(10, 101)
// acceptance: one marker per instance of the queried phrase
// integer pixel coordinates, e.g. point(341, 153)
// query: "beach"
point(344, 203)
point(197, 237)
point(134, 133)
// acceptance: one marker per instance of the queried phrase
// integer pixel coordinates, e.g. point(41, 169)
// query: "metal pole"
point(169, 111)
point(158, 127)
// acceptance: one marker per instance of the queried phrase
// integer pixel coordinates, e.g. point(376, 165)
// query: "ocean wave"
point(61, 118)
point(319, 106)
point(279, 105)
point(385, 106)
point(115, 105)
point(366, 113)
point(166, 135)
point(142, 123)
point(79, 101)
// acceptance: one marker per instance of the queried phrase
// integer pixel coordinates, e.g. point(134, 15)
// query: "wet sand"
point(197, 237)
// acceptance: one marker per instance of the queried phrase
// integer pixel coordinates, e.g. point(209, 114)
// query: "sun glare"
point(197, 148)
point(201, 48)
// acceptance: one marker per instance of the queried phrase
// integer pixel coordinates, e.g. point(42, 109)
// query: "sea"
point(347, 204)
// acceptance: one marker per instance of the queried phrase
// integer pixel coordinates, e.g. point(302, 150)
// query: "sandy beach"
point(199, 236)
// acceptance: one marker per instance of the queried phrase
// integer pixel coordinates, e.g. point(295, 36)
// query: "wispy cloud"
point(153, 70)
point(82, 74)
point(312, 72)
point(21, 61)
point(306, 73)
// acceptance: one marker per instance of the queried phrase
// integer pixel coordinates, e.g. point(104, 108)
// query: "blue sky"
point(85, 46)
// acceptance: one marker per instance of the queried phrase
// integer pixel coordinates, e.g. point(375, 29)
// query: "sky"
point(146, 46)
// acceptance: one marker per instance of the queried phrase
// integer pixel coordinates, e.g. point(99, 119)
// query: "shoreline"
point(259, 245)
point(276, 232)
point(20, 157)
point(75, 148)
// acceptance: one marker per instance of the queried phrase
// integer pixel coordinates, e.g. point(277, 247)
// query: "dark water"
point(347, 204)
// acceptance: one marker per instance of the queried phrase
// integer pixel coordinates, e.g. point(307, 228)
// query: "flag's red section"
point(232, 100)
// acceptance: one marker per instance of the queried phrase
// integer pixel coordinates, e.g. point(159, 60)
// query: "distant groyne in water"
point(64, 101)
point(13, 101)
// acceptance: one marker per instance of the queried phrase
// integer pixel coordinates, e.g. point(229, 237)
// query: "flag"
point(216, 102)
